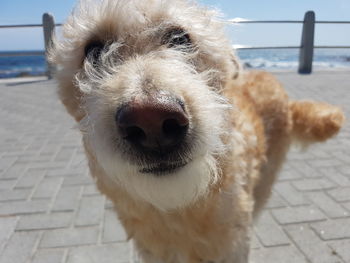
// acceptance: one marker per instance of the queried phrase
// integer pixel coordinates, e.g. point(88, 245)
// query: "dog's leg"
point(146, 257)
point(240, 251)
point(240, 255)
point(143, 255)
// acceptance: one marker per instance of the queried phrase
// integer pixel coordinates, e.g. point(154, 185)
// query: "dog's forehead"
point(121, 18)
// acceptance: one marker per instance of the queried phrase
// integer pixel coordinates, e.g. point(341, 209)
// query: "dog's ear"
point(232, 70)
point(71, 97)
point(235, 66)
point(69, 94)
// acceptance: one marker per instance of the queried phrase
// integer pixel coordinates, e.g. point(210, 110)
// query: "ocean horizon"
point(267, 59)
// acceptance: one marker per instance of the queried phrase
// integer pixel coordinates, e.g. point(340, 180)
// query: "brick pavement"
point(51, 212)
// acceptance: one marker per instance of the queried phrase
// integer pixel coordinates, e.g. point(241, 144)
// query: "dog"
point(184, 141)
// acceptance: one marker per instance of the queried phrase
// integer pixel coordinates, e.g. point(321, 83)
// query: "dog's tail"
point(315, 121)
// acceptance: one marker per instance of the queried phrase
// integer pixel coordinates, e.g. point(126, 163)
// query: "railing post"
point(49, 30)
point(307, 44)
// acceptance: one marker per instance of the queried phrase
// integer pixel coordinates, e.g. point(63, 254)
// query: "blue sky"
point(30, 11)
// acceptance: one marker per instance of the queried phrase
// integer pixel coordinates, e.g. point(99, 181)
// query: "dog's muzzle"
point(155, 126)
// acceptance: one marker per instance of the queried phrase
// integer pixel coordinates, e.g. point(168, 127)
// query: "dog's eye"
point(93, 51)
point(176, 37)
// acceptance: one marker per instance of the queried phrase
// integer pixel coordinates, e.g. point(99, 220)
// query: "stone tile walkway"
point(51, 212)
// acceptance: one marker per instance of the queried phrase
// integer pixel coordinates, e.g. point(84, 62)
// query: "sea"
point(268, 59)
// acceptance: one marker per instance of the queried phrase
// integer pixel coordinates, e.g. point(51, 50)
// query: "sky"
point(30, 11)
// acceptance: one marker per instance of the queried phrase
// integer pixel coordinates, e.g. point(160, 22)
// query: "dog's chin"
point(166, 185)
point(163, 168)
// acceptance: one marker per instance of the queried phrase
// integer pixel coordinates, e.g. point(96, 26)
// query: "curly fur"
point(240, 125)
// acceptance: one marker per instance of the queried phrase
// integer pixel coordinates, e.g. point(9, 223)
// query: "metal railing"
point(48, 26)
point(306, 48)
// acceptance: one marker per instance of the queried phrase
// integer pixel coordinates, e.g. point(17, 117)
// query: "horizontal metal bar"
point(288, 47)
point(263, 21)
point(332, 22)
point(21, 54)
point(28, 25)
point(284, 22)
point(15, 26)
point(331, 46)
point(279, 47)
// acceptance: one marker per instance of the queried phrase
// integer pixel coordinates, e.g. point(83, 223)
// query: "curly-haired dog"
point(185, 143)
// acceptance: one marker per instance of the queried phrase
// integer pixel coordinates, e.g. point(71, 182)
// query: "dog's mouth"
point(163, 168)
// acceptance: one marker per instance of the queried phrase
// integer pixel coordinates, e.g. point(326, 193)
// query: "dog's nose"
point(158, 123)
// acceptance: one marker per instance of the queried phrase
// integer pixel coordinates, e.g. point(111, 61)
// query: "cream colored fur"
point(241, 125)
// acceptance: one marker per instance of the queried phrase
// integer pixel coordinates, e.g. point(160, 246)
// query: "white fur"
point(190, 182)
point(135, 53)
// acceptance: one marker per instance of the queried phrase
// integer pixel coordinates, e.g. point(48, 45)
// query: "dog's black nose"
point(157, 123)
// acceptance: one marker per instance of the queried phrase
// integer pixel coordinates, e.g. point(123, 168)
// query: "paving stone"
point(346, 205)
point(90, 190)
point(69, 237)
point(7, 227)
point(14, 195)
point(36, 145)
point(313, 184)
point(67, 199)
point(65, 154)
point(20, 153)
point(327, 205)
point(47, 188)
point(7, 162)
point(269, 232)
point(325, 163)
point(7, 184)
point(275, 201)
point(321, 154)
point(298, 214)
point(283, 254)
point(19, 247)
point(23, 207)
point(14, 171)
point(341, 248)
point(78, 180)
point(44, 221)
point(79, 160)
point(333, 174)
point(254, 241)
point(299, 154)
point(113, 231)
point(333, 229)
point(340, 179)
point(292, 196)
point(48, 256)
point(49, 149)
point(304, 169)
point(311, 245)
point(90, 211)
point(340, 194)
point(48, 165)
point(114, 253)
point(30, 178)
point(33, 159)
point(344, 169)
point(290, 174)
point(64, 172)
